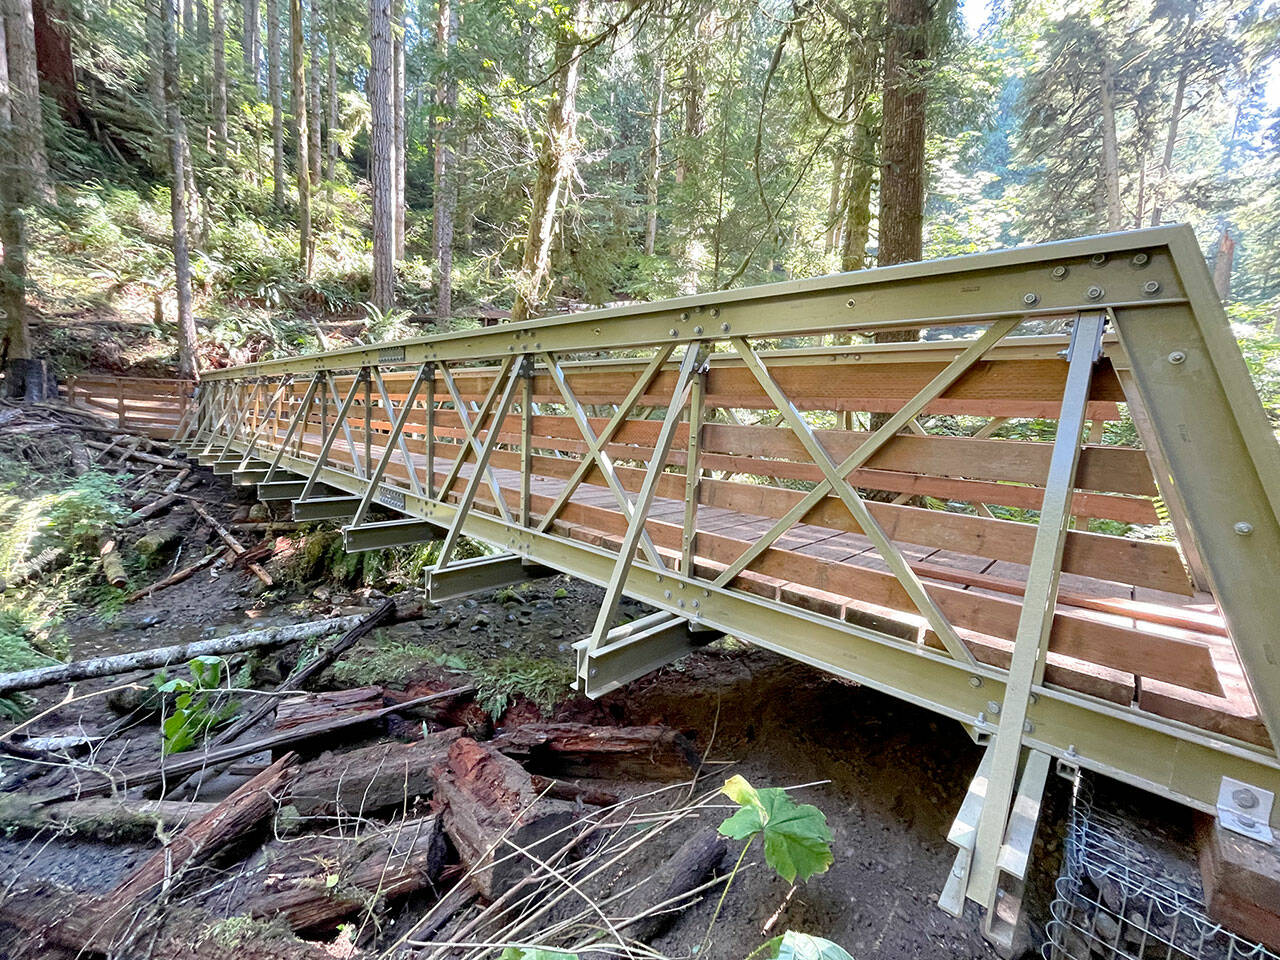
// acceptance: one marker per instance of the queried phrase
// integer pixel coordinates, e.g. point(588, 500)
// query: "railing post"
point(693, 473)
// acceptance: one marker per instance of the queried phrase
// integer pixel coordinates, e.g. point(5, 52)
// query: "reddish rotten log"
point(583, 750)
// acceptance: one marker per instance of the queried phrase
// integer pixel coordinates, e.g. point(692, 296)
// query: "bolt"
point(993, 708)
point(982, 717)
point(680, 603)
point(1027, 726)
point(672, 331)
point(593, 672)
point(1177, 356)
point(696, 604)
point(684, 316)
point(1098, 259)
point(1244, 528)
point(975, 681)
point(1151, 287)
point(1244, 798)
point(1094, 293)
point(1059, 273)
point(715, 312)
point(1030, 299)
point(1140, 260)
point(1063, 354)
point(724, 328)
point(697, 331)
point(850, 302)
point(666, 594)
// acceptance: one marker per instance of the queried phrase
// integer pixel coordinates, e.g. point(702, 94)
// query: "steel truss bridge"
point(733, 461)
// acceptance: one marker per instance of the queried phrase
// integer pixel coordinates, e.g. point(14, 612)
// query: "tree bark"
point(15, 348)
point(857, 200)
point(54, 60)
point(1110, 170)
point(557, 159)
point(654, 158)
point(445, 192)
point(1175, 117)
point(220, 78)
point(298, 100)
point(27, 121)
point(276, 92)
point(175, 131)
point(902, 141)
point(382, 153)
point(331, 92)
point(1223, 260)
point(251, 41)
point(313, 95)
point(397, 111)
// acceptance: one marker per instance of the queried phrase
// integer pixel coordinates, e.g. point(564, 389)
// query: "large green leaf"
point(803, 946)
point(797, 841)
point(535, 953)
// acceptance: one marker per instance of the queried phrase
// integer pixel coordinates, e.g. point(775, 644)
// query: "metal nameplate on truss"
point(391, 355)
point(1246, 809)
point(390, 497)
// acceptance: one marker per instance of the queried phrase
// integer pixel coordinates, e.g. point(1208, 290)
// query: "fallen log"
point(301, 674)
point(173, 485)
point(176, 577)
point(100, 925)
point(492, 812)
point(32, 570)
point(564, 790)
point(129, 454)
point(101, 818)
point(178, 653)
point(609, 753)
point(235, 545)
point(112, 566)
point(80, 462)
point(658, 904)
point(369, 779)
point(314, 882)
point(150, 510)
point(183, 765)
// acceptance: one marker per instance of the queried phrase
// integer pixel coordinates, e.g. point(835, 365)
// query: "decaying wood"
point(129, 454)
point(32, 570)
point(80, 462)
point(178, 653)
point(659, 903)
point(153, 508)
point(235, 545)
point(591, 795)
point(311, 708)
point(102, 818)
point(300, 675)
point(173, 485)
point(112, 566)
point(582, 750)
point(183, 765)
point(492, 812)
point(364, 781)
point(100, 924)
point(176, 577)
point(158, 540)
point(316, 881)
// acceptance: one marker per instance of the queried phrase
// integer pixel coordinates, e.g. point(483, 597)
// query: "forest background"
point(202, 182)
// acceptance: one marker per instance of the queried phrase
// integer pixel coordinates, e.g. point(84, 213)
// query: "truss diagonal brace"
point(396, 436)
point(857, 508)
point(1035, 622)
point(471, 442)
point(694, 360)
point(303, 412)
point(398, 425)
point(340, 422)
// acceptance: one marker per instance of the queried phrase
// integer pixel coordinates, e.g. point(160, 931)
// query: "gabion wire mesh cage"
point(1130, 888)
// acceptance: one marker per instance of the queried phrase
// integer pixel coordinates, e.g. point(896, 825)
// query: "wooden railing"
point(147, 405)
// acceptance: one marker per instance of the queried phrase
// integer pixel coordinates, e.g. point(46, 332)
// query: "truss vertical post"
point(398, 439)
point(368, 419)
point(430, 427)
point(299, 417)
point(693, 473)
point(332, 434)
point(397, 430)
point(526, 442)
point(482, 465)
point(471, 429)
point(341, 421)
point(694, 360)
point(1036, 619)
point(267, 416)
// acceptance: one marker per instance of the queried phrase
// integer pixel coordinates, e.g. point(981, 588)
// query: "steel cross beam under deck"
point(440, 457)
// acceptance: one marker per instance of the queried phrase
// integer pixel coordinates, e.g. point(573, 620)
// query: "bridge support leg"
point(463, 577)
point(634, 649)
point(1000, 838)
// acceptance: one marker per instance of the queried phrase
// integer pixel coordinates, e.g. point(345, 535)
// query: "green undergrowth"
point(320, 557)
point(499, 682)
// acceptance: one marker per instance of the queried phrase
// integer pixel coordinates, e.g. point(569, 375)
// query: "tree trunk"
point(298, 100)
point(1175, 117)
point(834, 206)
point(902, 144)
point(276, 93)
point(557, 158)
point(27, 123)
point(1222, 263)
point(397, 109)
point(313, 95)
point(15, 349)
point(251, 42)
point(176, 133)
point(54, 61)
point(382, 153)
point(1110, 150)
point(220, 78)
point(654, 158)
point(331, 159)
point(857, 199)
point(445, 193)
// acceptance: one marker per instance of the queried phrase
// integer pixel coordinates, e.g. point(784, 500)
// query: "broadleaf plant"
point(803, 946)
point(797, 841)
